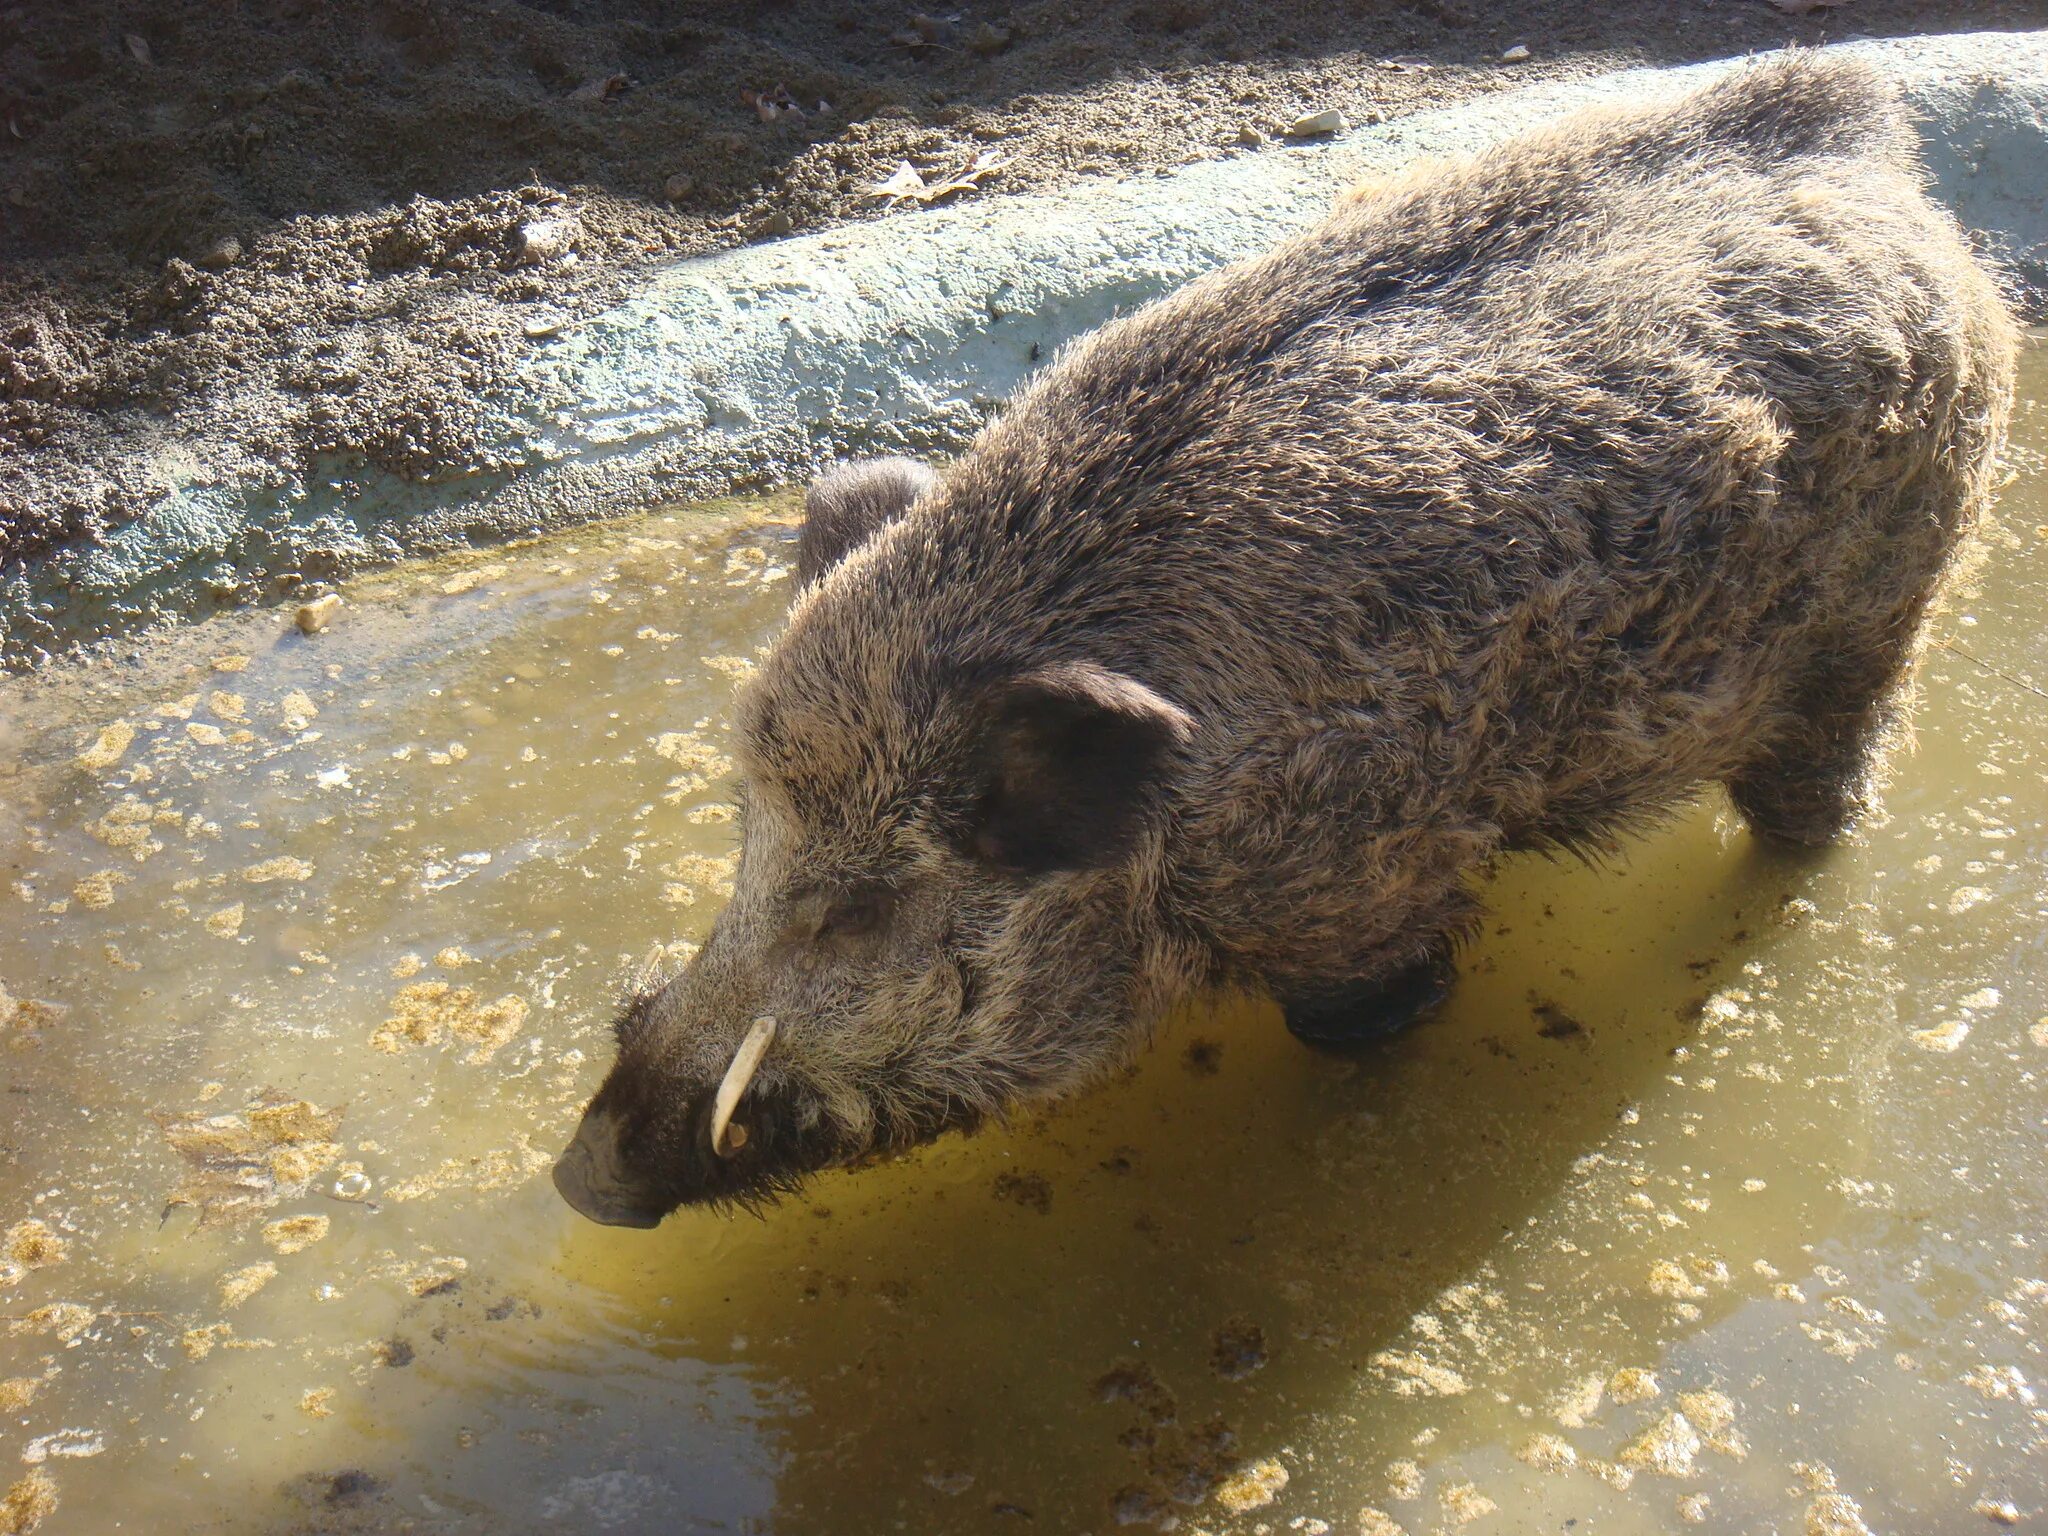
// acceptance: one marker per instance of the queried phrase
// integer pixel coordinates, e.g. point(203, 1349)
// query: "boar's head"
point(947, 900)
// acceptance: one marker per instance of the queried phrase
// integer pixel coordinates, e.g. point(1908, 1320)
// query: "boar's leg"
point(1813, 781)
point(1353, 1016)
point(851, 503)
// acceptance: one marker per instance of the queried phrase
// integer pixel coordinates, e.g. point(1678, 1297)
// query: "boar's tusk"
point(745, 1062)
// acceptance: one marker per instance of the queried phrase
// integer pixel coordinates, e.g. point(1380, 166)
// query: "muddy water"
point(1716, 1200)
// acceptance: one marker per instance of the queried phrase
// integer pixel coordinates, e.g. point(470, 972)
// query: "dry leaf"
point(904, 181)
point(137, 46)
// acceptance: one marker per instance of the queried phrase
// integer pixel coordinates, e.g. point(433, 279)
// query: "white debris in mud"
point(33, 1244)
point(63, 1320)
point(1942, 1038)
point(1632, 1384)
point(240, 1165)
point(1252, 1486)
point(1667, 1447)
point(1416, 1375)
point(297, 711)
point(63, 1442)
point(294, 1233)
point(1463, 1503)
point(283, 868)
point(107, 747)
point(96, 892)
point(1835, 1514)
point(427, 1012)
point(17, 1392)
point(1712, 1413)
point(1670, 1280)
point(1548, 1453)
point(27, 1504)
point(1574, 1407)
point(237, 1286)
point(1999, 1383)
point(500, 1168)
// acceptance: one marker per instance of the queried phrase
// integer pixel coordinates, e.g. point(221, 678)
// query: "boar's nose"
point(590, 1176)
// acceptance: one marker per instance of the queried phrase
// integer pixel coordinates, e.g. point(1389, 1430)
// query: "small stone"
point(224, 252)
point(318, 614)
point(1313, 125)
point(678, 186)
point(1250, 137)
point(1519, 54)
point(777, 223)
point(1997, 1511)
point(541, 241)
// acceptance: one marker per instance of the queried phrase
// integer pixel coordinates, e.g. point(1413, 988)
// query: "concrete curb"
point(741, 370)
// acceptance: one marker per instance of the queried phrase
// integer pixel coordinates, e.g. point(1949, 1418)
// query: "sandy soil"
point(307, 227)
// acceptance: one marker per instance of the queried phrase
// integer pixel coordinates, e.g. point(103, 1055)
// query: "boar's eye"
point(853, 913)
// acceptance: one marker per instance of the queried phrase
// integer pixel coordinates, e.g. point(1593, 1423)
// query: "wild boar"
point(1503, 510)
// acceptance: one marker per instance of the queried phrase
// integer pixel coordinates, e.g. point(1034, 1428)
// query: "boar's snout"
point(644, 1148)
point(591, 1176)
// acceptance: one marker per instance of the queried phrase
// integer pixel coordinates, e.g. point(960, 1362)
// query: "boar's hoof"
point(1356, 1017)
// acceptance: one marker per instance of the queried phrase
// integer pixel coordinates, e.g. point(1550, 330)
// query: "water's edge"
point(738, 371)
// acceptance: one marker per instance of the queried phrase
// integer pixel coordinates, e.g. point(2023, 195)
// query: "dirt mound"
point(291, 229)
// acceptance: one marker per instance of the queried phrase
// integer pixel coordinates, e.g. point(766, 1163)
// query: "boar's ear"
point(1068, 765)
point(849, 504)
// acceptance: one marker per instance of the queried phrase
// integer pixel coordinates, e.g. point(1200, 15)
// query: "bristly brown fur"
point(1504, 509)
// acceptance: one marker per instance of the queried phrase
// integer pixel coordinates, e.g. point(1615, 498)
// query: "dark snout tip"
point(580, 1182)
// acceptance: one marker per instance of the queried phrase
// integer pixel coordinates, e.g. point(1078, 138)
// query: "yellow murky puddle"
point(1718, 1198)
